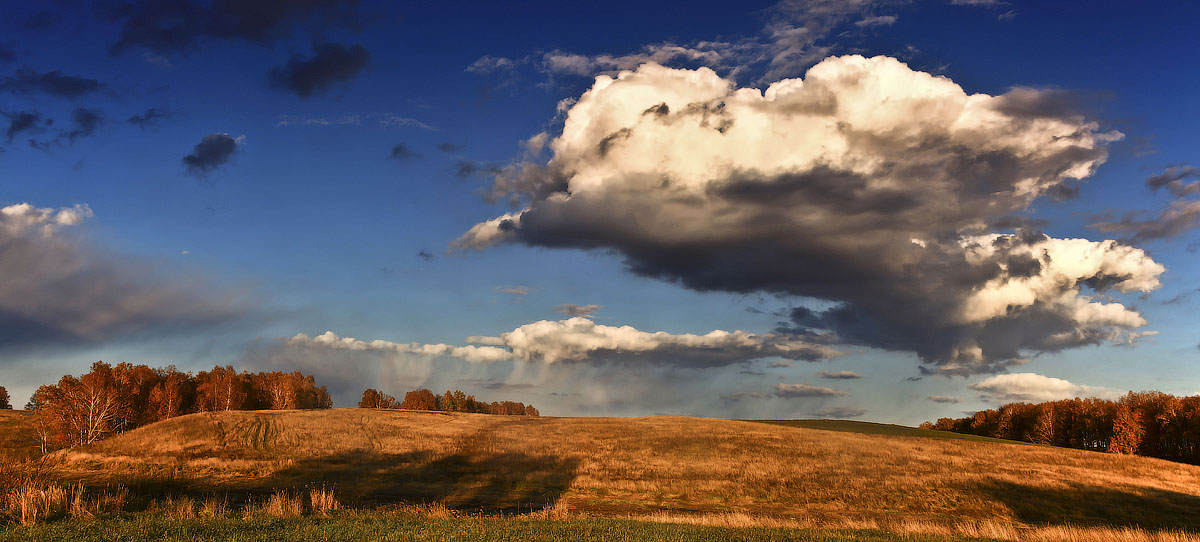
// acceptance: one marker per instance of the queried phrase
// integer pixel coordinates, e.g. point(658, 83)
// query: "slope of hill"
point(887, 429)
point(17, 437)
point(641, 467)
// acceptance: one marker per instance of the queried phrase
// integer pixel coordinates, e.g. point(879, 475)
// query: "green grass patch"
point(382, 526)
point(887, 429)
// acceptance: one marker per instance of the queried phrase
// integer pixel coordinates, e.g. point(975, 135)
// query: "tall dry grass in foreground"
point(28, 495)
point(679, 468)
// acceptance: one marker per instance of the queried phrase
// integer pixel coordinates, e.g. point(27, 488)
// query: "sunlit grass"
point(702, 472)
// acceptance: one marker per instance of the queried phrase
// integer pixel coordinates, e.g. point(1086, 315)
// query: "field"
point(418, 474)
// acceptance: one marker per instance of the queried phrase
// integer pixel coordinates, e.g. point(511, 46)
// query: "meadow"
point(387, 474)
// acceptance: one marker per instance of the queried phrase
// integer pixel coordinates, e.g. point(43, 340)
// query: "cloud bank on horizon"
point(579, 339)
point(865, 183)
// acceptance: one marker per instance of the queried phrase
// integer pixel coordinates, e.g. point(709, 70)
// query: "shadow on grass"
point(503, 483)
point(1148, 508)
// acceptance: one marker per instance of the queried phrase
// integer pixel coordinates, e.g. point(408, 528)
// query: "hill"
point(17, 437)
point(672, 468)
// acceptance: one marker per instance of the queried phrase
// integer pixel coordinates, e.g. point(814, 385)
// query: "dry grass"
point(716, 470)
point(992, 530)
point(281, 504)
point(321, 499)
point(214, 507)
point(177, 507)
point(31, 501)
point(18, 440)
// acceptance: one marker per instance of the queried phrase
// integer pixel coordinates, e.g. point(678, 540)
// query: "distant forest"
point(456, 401)
point(1151, 424)
point(111, 399)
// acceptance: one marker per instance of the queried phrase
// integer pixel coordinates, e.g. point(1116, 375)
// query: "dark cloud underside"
point(54, 83)
point(210, 153)
point(174, 26)
point(331, 64)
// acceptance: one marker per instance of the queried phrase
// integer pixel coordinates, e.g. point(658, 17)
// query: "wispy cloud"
point(805, 390)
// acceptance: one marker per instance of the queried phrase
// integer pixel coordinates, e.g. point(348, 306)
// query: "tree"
point(421, 399)
point(1127, 431)
point(4, 399)
point(174, 395)
point(134, 384)
point(373, 398)
point(220, 389)
point(85, 409)
point(1043, 425)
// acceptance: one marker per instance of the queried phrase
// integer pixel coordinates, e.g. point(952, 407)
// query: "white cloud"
point(472, 353)
point(878, 20)
point(1034, 387)
point(582, 340)
point(864, 169)
point(24, 218)
point(944, 399)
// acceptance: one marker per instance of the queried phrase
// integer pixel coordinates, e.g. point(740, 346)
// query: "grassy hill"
point(643, 466)
point(887, 429)
point(17, 437)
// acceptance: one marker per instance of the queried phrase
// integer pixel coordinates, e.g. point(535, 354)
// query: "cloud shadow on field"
point(501, 483)
point(1091, 506)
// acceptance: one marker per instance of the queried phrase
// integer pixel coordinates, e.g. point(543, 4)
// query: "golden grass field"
point(675, 469)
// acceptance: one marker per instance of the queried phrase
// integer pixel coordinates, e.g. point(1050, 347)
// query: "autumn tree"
point(373, 398)
point(221, 389)
point(1148, 423)
point(134, 384)
point(1043, 425)
point(421, 399)
point(173, 395)
point(86, 409)
point(451, 401)
point(1128, 431)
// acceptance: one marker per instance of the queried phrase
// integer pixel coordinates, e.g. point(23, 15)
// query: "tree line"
point(1150, 423)
point(455, 401)
point(110, 399)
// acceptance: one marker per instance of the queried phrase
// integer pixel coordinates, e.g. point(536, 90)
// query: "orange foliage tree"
point(372, 398)
point(1152, 423)
point(110, 399)
point(451, 401)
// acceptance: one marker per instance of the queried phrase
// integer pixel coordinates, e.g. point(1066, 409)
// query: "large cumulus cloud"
point(57, 291)
point(865, 183)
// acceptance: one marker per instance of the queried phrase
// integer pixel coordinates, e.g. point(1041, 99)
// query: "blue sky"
point(318, 221)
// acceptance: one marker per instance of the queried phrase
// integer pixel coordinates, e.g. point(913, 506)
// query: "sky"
point(876, 210)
